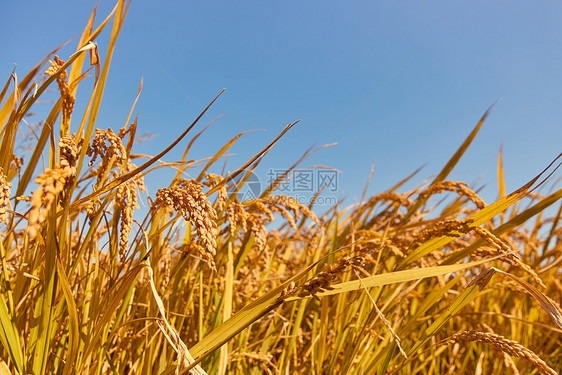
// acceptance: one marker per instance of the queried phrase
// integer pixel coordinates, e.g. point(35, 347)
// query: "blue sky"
point(399, 84)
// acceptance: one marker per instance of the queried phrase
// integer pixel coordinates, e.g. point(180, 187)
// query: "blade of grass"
point(74, 330)
point(265, 304)
point(227, 306)
point(396, 277)
point(479, 217)
point(9, 336)
point(7, 108)
point(38, 150)
point(253, 159)
point(506, 227)
point(451, 163)
point(42, 333)
point(218, 155)
point(111, 302)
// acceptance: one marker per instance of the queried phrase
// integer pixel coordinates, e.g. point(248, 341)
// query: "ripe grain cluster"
point(102, 276)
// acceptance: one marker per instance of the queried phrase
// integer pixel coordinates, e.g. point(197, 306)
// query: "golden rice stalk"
point(455, 228)
point(459, 187)
point(290, 203)
point(257, 227)
point(384, 320)
point(394, 198)
point(68, 152)
point(185, 359)
point(5, 192)
point(502, 247)
point(68, 158)
point(507, 360)
point(51, 183)
point(65, 92)
point(113, 150)
point(126, 200)
point(323, 280)
point(452, 228)
point(236, 215)
point(188, 199)
point(212, 181)
point(262, 211)
point(547, 304)
point(165, 266)
point(253, 221)
point(504, 345)
point(16, 164)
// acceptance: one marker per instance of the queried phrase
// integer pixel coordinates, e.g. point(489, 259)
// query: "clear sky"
point(396, 83)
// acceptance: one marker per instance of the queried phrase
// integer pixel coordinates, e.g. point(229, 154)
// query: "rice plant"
point(428, 281)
